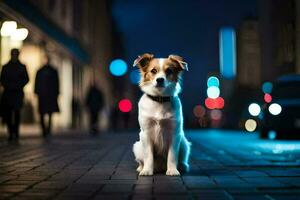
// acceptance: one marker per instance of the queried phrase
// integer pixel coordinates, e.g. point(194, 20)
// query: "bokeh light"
point(267, 98)
point(19, 34)
point(199, 111)
point(217, 103)
point(118, 67)
point(272, 135)
point(7, 28)
point(213, 92)
point(275, 109)
point(250, 125)
point(267, 87)
point(125, 105)
point(135, 77)
point(254, 109)
point(216, 114)
point(209, 103)
point(213, 81)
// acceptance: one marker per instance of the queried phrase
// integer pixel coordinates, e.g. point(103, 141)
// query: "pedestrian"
point(47, 90)
point(94, 102)
point(13, 78)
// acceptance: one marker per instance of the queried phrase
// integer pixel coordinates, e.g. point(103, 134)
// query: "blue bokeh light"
point(213, 81)
point(135, 77)
point(227, 52)
point(267, 87)
point(118, 67)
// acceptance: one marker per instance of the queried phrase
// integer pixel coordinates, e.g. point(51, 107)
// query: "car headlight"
point(254, 109)
point(275, 109)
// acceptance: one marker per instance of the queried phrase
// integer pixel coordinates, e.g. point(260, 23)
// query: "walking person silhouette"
point(47, 90)
point(13, 78)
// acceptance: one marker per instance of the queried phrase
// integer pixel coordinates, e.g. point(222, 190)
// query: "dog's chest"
point(158, 111)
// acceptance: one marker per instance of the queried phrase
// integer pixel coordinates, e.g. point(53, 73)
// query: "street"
point(224, 165)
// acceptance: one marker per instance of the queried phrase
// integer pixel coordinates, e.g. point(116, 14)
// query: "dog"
point(162, 145)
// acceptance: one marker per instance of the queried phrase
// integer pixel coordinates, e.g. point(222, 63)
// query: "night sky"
point(188, 28)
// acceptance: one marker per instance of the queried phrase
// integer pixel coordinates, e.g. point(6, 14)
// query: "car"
point(281, 117)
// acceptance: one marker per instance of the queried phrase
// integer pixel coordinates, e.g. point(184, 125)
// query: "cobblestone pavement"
point(224, 165)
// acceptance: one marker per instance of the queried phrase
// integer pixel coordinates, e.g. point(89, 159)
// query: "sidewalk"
point(103, 167)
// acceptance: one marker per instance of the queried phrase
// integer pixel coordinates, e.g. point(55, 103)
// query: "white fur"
point(162, 144)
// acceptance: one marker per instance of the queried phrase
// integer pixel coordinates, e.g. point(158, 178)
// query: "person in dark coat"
point(13, 78)
point(47, 90)
point(94, 102)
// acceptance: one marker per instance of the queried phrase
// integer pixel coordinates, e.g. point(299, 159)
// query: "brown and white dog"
point(162, 144)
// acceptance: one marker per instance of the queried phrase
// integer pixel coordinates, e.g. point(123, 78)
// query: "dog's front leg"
point(173, 157)
point(148, 160)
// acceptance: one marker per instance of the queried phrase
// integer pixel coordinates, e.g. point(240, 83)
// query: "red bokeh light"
point(267, 98)
point(216, 114)
point(217, 103)
point(125, 105)
point(199, 111)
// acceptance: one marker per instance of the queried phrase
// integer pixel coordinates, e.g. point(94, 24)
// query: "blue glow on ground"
point(118, 67)
point(228, 52)
point(135, 77)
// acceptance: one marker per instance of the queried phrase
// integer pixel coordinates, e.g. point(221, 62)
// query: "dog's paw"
point(139, 169)
point(146, 172)
point(172, 172)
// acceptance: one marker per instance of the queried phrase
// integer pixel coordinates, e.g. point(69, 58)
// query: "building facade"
point(249, 54)
point(279, 22)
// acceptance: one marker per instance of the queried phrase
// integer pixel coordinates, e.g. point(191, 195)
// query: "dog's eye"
point(154, 71)
point(169, 71)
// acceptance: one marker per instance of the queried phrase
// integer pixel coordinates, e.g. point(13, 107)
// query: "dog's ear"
point(143, 60)
point(179, 60)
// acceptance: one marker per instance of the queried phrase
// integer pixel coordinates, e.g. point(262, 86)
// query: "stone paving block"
point(18, 182)
point(172, 197)
point(51, 185)
point(264, 182)
point(4, 178)
point(35, 196)
point(248, 173)
point(143, 189)
point(72, 197)
point(142, 197)
point(111, 197)
point(251, 197)
point(281, 172)
point(284, 197)
point(169, 189)
point(5, 195)
point(290, 181)
point(117, 188)
point(12, 188)
point(144, 180)
point(211, 195)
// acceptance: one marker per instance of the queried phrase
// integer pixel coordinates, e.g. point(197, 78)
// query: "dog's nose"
point(160, 80)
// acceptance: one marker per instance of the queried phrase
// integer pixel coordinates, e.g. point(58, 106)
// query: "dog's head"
point(160, 76)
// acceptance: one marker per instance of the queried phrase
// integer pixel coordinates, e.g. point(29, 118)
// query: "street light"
point(275, 109)
point(8, 28)
point(19, 34)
